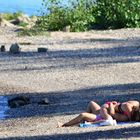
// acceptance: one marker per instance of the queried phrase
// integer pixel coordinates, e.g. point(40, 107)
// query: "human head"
point(135, 116)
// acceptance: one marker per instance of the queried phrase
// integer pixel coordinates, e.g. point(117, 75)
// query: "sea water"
point(29, 7)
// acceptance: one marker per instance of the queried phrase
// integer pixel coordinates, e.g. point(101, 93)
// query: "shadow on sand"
point(70, 102)
point(70, 59)
point(109, 134)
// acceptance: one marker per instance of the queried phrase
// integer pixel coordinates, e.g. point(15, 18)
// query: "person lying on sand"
point(126, 111)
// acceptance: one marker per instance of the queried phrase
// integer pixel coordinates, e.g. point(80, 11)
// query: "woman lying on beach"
point(126, 111)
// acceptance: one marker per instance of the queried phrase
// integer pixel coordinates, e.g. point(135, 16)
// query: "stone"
point(2, 49)
point(42, 49)
point(23, 18)
point(66, 29)
point(44, 101)
point(18, 101)
point(5, 23)
point(15, 48)
point(34, 19)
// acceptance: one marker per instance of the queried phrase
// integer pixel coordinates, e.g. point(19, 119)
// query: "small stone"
point(14, 48)
point(2, 49)
point(66, 29)
point(42, 49)
point(44, 101)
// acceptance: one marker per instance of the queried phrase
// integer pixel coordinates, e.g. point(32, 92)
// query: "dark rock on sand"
point(2, 49)
point(15, 48)
point(44, 101)
point(42, 49)
point(18, 101)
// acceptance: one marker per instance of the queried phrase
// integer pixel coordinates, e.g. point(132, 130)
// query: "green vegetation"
point(118, 14)
point(78, 15)
point(82, 15)
point(11, 16)
point(32, 32)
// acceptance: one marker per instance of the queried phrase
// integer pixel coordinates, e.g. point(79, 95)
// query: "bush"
point(11, 16)
point(118, 14)
point(78, 15)
point(82, 15)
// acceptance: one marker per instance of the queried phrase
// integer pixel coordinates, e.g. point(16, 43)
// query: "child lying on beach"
point(126, 111)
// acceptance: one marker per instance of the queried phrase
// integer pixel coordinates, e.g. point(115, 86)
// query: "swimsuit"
point(121, 111)
point(98, 118)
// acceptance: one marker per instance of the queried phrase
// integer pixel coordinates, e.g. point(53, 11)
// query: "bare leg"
point(93, 107)
point(82, 117)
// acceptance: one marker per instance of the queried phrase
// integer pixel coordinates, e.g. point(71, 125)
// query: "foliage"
point(82, 15)
point(32, 32)
point(78, 16)
point(23, 24)
point(11, 16)
point(118, 14)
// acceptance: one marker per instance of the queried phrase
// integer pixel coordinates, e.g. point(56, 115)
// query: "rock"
point(5, 23)
point(66, 29)
point(2, 49)
point(34, 19)
point(42, 49)
point(23, 18)
point(30, 25)
point(18, 101)
point(15, 48)
point(44, 101)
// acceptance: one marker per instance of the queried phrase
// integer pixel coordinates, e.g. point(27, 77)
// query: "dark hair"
point(135, 115)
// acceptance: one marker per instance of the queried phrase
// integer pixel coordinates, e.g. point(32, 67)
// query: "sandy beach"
point(77, 68)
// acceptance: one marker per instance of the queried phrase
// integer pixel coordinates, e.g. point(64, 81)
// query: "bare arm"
point(120, 117)
point(128, 109)
point(104, 112)
point(111, 109)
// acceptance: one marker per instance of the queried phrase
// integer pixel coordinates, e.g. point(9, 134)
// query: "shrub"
point(78, 15)
point(118, 14)
point(11, 16)
point(82, 15)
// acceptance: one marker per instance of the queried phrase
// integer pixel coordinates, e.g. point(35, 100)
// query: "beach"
point(77, 68)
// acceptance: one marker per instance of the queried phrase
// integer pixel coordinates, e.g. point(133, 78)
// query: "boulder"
point(23, 18)
point(5, 23)
point(34, 19)
point(15, 48)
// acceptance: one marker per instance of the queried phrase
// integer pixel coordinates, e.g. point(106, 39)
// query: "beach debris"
point(15, 48)
point(42, 49)
point(18, 101)
point(44, 101)
point(2, 48)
